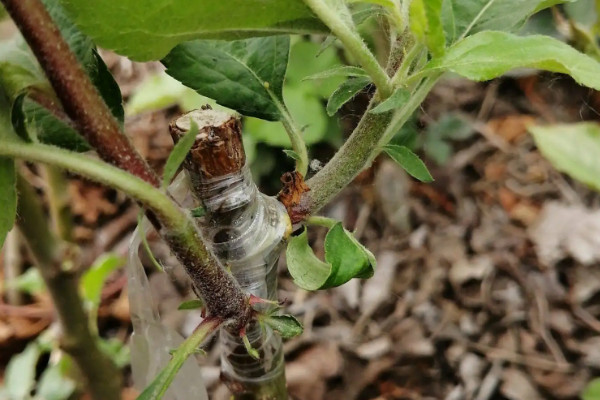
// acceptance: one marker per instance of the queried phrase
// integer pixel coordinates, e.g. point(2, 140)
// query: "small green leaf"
point(345, 92)
point(487, 55)
point(30, 282)
point(145, 243)
point(116, 350)
point(291, 154)
point(178, 154)
point(94, 278)
point(426, 24)
point(191, 305)
point(343, 71)
point(54, 385)
point(409, 161)
point(286, 325)
point(251, 350)
point(8, 196)
point(396, 100)
point(47, 128)
point(244, 75)
point(573, 149)
point(345, 259)
point(198, 212)
point(19, 377)
point(592, 390)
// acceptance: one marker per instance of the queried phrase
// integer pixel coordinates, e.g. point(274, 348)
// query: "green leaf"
point(345, 92)
point(487, 55)
point(592, 390)
point(198, 212)
point(251, 350)
point(19, 68)
point(426, 24)
point(343, 71)
point(245, 75)
point(191, 304)
point(8, 196)
point(409, 161)
point(383, 3)
point(286, 325)
point(345, 259)
point(306, 109)
point(30, 282)
point(467, 17)
point(116, 350)
point(92, 281)
point(178, 154)
point(396, 100)
point(148, 30)
point(40, 123)
point(573, 149)
point(291, 154)
point(19, 378)
point(54, 385)
point(159, 91)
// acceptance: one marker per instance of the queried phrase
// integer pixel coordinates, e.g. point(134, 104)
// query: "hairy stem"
point(365, 143)
point(102, 376)
point(82, 103)
point(353, 43)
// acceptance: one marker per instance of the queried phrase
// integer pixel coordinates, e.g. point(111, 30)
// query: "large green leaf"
point(245, 75)
point(345, 259)
point(148, 29)
point(487, 55)
point(467, 17)
point(573, 149)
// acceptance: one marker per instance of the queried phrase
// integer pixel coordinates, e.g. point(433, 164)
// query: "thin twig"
point(52, 258)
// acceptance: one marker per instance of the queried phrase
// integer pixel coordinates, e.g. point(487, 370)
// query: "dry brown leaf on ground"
point(308, 374)
point(567, 231)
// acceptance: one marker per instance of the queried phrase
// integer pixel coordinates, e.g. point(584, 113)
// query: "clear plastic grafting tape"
point(152, 340)
point(246, 229)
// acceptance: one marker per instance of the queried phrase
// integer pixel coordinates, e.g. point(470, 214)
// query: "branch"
point(365, 143)
point(102, 377)
point(353, 43)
